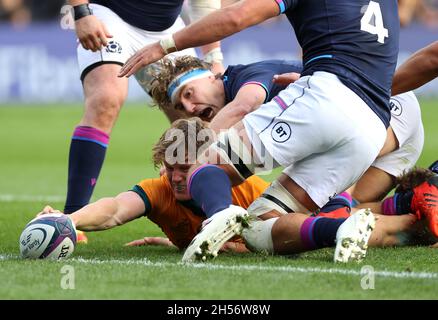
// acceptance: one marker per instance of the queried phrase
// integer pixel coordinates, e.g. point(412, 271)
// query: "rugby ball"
point(51, 236)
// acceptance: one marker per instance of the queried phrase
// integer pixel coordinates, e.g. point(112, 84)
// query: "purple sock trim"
point(388, 206)
point(194, 173)
point(91, 134)
point(306, 233)
point(280, 102)
point(345, 195)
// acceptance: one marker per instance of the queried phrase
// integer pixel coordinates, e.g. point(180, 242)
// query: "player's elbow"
point(111, 214)
point(117, 218)
point(116, 221)
point(111, 222)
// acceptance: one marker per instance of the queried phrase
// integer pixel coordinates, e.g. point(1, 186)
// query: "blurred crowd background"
point(38, 47)
point(23, 12)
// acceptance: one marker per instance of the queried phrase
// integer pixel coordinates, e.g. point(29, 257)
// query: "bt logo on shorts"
point(281, 132)
point(113, 47)
point(396, 107)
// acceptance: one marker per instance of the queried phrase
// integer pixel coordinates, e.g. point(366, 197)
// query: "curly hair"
point(412, 178)
point(189, 130)
point(169, 70)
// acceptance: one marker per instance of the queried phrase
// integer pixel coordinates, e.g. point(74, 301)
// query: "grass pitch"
point(33, 168)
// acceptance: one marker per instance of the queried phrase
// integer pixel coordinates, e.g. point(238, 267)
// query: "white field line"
point(30, 198)
point(243, 267)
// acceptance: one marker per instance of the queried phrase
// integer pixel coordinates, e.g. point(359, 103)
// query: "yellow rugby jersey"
point(181, 220)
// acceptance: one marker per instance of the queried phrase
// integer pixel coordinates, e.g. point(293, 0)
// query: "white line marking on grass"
point(30, 198)
point(8, 257)
point(243, 267)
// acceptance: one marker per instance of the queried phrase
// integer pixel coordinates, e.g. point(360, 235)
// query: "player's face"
point(200, 98)
point(177, 175)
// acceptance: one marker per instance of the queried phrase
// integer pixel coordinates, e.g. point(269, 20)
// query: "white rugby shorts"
point(125, 42)
point(408, 128)
point(324, 134)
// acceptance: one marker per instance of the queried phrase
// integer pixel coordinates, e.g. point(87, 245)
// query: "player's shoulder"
point(160, 184)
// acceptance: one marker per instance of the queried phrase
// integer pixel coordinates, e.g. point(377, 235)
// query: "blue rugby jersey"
point(260, 73)
point(150, 15)
point(356, 40)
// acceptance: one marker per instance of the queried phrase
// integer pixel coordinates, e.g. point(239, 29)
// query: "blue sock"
point(342, 200)
point(398, 204)
point(210, 188)
point(318, 232)
point(87, 153)
point(403, 202)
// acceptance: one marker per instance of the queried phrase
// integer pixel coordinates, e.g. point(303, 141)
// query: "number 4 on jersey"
point(374, 14)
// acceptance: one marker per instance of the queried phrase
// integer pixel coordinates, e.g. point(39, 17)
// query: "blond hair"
point(169, 70)
point(190, 128)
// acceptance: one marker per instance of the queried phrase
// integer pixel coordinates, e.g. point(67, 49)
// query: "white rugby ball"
point(51, 236)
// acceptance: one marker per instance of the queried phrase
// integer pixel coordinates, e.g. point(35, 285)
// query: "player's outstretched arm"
point(214, 27)
point(419, 69)
point(91, 32)
point(106, 213)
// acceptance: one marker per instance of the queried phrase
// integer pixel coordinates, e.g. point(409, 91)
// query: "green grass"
point(34, 144)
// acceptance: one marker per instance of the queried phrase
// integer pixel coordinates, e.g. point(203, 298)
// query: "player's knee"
point(286, 234)
point(106, 99)
point(102, 110)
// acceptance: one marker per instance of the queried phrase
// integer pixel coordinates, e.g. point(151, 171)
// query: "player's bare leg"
point(373, 186)
point(295, 232)
point(105, 94)
point(393, 230)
